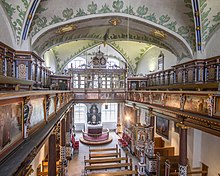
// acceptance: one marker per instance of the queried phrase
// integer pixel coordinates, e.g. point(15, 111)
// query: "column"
point(68, 138)
point(149, 146)
point(183, 150)
point(63, 162)
point(52, 155)
point(119, 125)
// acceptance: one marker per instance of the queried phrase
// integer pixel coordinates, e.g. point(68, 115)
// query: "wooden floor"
point(76, 165)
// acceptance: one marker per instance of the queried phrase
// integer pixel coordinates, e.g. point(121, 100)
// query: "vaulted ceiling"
point(181, 26)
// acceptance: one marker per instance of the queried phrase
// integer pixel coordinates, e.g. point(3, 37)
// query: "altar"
point(94, 129)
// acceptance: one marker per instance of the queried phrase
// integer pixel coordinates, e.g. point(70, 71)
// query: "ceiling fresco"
point(183, 24)
point(172, 17)
point(210, 18)
point(16, 11)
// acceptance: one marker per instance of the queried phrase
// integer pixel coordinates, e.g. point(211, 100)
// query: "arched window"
point(109, 112)
point(78, 61)
point(80, 113)
point(112, 62)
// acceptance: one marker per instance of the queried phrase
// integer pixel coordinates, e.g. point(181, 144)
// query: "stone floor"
point(76, 165)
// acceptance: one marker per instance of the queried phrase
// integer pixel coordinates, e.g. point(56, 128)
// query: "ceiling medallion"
point(66, 28)
point(115, 21)
point(159, 34)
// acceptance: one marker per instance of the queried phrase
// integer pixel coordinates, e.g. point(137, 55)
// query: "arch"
point(143, 32)
point(9, 27)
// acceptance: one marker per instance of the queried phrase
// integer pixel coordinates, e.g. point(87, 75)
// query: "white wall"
point(212, 47)
point(203, 147)
point(50, 60)
point(149, 62)
point(173, 139)
point(210, 153)
point(5, 36)
point(39, 158)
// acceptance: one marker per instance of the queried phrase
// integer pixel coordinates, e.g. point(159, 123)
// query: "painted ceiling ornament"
point(159, 34)
point(115, 21)
point(210, 105)
point(66, 28)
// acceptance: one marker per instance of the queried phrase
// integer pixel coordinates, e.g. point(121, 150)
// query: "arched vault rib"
point(95, 28)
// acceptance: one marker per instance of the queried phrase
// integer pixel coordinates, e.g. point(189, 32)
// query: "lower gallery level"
point(92, 138)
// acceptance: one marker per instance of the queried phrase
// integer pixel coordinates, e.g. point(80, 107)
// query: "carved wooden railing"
point(25, 113)
point(200, 109)
point(196, 72)
point(104, 96)
point(22, 68)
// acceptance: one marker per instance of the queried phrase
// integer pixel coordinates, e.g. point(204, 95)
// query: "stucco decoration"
point(16, 11)
point(171, 16)
point(210, 18)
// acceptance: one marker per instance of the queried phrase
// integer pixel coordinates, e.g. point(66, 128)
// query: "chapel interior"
point(100, 88)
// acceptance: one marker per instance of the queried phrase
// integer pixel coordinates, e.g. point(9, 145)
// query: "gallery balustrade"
point(197, 72)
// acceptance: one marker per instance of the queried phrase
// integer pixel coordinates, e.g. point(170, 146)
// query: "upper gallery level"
point(200, 74)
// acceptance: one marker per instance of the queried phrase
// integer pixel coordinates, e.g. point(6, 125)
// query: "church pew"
point(104, 155)
point(160, 165)
point(109, 166)
point(103, 149)
point(105, 160)
point(165, 151)
point(115, 173)
point(158, 142)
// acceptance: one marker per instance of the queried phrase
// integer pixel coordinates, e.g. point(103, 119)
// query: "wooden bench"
point(116, 173)
point(108, 166)
point(165, 151)
point(103, 149)
point(160, 166)
point(105, 154)
point(15, 83)
point(106, 160)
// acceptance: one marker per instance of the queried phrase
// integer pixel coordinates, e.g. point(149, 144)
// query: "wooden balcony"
point(193, 75)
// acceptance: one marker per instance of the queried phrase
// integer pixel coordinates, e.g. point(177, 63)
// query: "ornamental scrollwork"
point(182, 101)
point(47, 105)
point(210, 105)
point(28, 108)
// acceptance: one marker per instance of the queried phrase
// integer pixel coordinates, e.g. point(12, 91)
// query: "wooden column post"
point(68, 137)
point(52, 155)
point(183, 150)
point(119, 125)
point(63, 162)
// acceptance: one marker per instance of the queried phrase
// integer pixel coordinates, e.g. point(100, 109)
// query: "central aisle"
point(76, 165)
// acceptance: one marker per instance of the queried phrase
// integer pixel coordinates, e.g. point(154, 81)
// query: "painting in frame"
point(162, 127)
